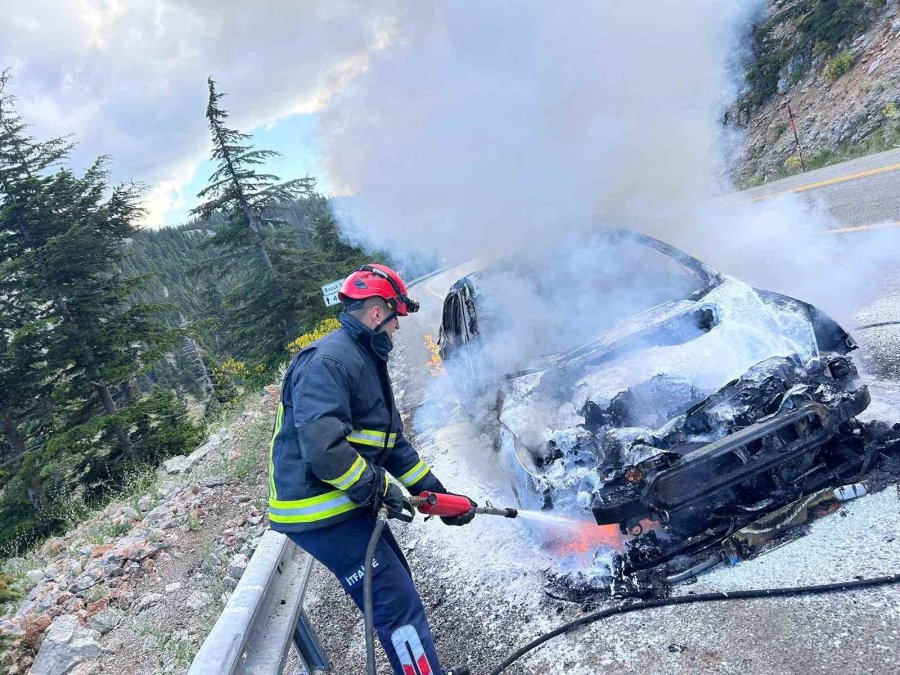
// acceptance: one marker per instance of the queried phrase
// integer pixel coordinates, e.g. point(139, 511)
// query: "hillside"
point(142, 580)
point(837, 64)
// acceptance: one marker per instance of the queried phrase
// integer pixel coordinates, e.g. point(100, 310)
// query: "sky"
point(128, 80)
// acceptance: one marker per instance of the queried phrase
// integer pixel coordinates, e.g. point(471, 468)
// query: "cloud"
point(129, 79)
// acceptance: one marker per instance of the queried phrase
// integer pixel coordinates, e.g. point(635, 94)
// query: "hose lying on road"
point(367, 591)
point(702, 597)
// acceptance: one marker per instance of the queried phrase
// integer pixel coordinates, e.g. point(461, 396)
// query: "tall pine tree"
point(254, 235)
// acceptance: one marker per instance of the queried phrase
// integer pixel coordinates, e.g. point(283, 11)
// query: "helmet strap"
point(390, 317)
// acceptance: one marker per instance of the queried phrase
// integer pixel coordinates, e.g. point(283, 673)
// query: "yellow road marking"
point(830, 181)
point(860, 228)
point(433, 292)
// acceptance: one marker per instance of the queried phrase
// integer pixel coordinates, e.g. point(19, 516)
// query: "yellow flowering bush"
point(235, 368)
point(322, 329)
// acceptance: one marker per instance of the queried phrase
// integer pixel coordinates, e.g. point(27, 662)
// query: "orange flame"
point(578, 537)
point(585, 537)
point(435, 363)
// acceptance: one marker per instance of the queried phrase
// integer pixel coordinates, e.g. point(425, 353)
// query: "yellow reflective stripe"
point(279, 420)
point(350, 477)
point(415, 474)
point(311, 509)
point(372, 437)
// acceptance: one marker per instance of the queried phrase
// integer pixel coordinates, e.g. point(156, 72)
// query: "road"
point(484, 585)
point(861, 192)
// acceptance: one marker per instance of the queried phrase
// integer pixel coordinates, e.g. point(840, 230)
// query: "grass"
point(179, 651)
point(100, 532)
point(194, 523)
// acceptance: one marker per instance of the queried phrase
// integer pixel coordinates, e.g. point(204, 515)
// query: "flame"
point(586, 537)
point(567, 537)
point(435, 363)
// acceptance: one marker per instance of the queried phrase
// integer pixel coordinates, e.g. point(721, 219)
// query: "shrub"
point(322, 329)
point(792, 163)
point(839, 65)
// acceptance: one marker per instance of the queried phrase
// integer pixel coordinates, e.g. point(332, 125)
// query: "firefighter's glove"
point(464, 519)
point(393, 498)
point(388, 494)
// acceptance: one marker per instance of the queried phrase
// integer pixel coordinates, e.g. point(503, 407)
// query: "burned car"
point(689, 407)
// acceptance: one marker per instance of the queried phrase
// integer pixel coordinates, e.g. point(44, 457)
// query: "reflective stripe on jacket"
point(336, 419)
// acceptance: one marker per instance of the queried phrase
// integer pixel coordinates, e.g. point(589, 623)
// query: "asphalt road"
point(861, 192)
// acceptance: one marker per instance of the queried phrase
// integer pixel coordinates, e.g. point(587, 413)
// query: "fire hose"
point(689, 599)
point(436, 504)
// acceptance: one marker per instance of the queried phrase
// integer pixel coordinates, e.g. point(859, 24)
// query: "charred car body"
point(709, 409)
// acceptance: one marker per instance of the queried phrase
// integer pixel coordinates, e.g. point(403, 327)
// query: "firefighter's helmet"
point(378, 280)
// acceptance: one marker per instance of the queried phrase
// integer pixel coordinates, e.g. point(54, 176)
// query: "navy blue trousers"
point(398, 612)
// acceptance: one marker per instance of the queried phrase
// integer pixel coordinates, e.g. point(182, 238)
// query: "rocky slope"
point(137, 587)
point(842, 108)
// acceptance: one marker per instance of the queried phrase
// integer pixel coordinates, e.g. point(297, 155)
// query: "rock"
point(145, 503)
point(87, 580)
point(66, 645)
point(35, 627)
point(213, 481)
point(158, 514)
point(97, 606)
point(198, 600)
point(105, 620)
point(34, 576)
point(874, 65)
point(173, 587)
point(149, 600)
point(130, 513)
point(237, 522)
point(237, 565)
point(176, 465)
point(184, 463)
point(229, 583)
point(86, 668)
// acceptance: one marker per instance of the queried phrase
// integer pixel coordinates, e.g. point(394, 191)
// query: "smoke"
point(486, 128)
point(489, 126)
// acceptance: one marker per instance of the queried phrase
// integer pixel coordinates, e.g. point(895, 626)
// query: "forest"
point(118, 344)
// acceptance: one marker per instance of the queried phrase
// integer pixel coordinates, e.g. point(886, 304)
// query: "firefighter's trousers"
point(398, 612)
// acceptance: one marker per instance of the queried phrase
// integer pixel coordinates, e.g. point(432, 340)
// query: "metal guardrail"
point(263, 616)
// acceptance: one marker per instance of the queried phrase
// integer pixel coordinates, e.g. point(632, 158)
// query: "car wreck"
point(707, 419)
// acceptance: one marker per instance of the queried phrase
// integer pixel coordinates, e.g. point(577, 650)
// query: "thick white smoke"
point(493, 125)
point(489, 127)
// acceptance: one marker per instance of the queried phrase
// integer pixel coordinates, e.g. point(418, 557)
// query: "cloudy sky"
point(127, 78)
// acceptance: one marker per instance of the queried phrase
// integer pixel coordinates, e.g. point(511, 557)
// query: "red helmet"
point(380, 280)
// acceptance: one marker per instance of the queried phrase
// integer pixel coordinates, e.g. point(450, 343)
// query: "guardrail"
point(263, 616)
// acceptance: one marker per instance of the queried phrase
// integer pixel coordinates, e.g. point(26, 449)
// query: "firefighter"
point(337, 436)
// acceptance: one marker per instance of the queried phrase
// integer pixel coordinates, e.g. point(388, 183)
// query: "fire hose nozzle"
point(447, 505)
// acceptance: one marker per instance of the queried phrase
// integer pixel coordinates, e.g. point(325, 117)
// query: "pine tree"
point(73, 334)
point(251, 202)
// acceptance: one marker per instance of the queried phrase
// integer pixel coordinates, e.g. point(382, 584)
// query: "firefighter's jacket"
point(336, 420)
